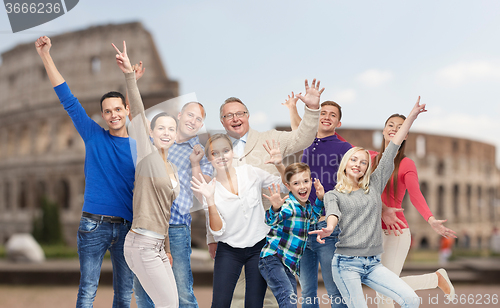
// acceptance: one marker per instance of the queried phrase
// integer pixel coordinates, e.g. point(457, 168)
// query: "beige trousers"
point(395, 251)
point(146, 257)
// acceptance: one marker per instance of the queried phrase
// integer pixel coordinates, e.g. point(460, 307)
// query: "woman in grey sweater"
point(355, 204)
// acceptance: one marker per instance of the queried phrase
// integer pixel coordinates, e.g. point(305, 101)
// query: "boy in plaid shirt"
point(286, 241)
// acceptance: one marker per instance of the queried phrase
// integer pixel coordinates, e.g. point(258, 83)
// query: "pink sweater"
point(407, 180)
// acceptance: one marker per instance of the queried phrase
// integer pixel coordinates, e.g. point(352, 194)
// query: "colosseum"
point(458, 178)
point(41, 151)
point(43, 155)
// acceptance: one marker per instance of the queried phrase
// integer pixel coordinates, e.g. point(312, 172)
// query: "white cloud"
point(258, 118)
point(374, 78)
point(346, 96)
point(465, 72)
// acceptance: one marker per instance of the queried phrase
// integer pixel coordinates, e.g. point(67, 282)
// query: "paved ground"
point(61, 296)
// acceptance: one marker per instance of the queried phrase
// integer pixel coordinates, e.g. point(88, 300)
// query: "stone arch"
point(63, 194)
point(456, 202)
point(440, 201)
point(424, 243)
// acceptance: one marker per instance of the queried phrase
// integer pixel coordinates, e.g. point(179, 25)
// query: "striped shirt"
point(178, 154)
point(288, 235)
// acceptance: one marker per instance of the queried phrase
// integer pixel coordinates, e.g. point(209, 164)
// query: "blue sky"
point(373, 57)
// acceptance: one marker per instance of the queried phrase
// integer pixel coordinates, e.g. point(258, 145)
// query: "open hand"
point(320, 190)
point(392, 221)
point(122, 59)
point(275, 197)
point(321, 234)
point(274, 152)
point(43, 45)
point(313, 93)
point(440, 229)
point(204, 188)
point(291, 101)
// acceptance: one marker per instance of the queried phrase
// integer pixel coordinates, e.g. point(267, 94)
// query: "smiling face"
point(164, 132)
point(356, 166)
point(300, 186)
point(190, 121)
point(391, 128)
point(235, 127)
point(114, 114)
point(220, 154)
point(328, 121)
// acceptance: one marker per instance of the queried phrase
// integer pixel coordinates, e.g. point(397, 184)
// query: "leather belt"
point(110, 219)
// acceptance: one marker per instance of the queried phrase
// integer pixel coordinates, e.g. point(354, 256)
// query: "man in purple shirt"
point(323, 157)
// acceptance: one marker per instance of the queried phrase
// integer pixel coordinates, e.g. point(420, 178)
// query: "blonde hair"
point(343, 184)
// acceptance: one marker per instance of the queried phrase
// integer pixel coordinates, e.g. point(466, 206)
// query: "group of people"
point(339, 207)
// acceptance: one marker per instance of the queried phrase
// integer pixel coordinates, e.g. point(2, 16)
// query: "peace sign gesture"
point(122, 59)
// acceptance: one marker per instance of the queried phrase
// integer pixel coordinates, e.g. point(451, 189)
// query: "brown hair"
point(212, 138)
point(295, 168)
point(334, 104)
point(397, 160)
point(232, 99)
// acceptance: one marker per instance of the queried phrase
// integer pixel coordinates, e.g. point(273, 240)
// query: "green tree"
point(47, 228)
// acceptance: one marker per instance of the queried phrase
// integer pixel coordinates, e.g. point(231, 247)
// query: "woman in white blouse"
point(233, 204)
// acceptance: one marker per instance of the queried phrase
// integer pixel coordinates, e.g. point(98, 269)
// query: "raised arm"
point(291, 104)
point(275, 157)
point(139, 71)
point(139, 127)
point(297, 140)
point(405, 128)
point(43, 45)
point(313, 94)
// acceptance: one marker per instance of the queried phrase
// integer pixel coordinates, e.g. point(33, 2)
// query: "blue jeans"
point(280, 280)
point(94, 239)
point(180, 248)
point(314, 254)
point(227, 269)
point(350, 272)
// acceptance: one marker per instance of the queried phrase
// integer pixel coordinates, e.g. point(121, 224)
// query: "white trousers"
point(146, 257)
point(395, 251)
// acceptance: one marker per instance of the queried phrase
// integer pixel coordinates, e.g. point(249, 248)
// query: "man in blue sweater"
point(109, 181)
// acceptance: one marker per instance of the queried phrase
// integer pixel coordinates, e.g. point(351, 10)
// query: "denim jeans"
point(280, 280)
point(180, 248)
point(94, 239)
point(227, 268)
point(350, 272)
point(314, 254)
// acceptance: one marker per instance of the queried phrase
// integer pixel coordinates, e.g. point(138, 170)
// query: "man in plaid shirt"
point(187, 154)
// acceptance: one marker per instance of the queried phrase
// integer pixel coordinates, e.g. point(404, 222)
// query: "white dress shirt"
point(243, 215)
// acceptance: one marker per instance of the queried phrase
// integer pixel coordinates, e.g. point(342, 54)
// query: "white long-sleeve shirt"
point(243, 215)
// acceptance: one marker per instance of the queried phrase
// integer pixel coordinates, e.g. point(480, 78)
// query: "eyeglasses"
point(238, 114)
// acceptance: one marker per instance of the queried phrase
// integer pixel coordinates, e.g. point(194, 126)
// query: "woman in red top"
point(397, 237)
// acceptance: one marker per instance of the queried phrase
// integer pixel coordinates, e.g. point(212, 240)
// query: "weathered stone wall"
point(41, 153)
